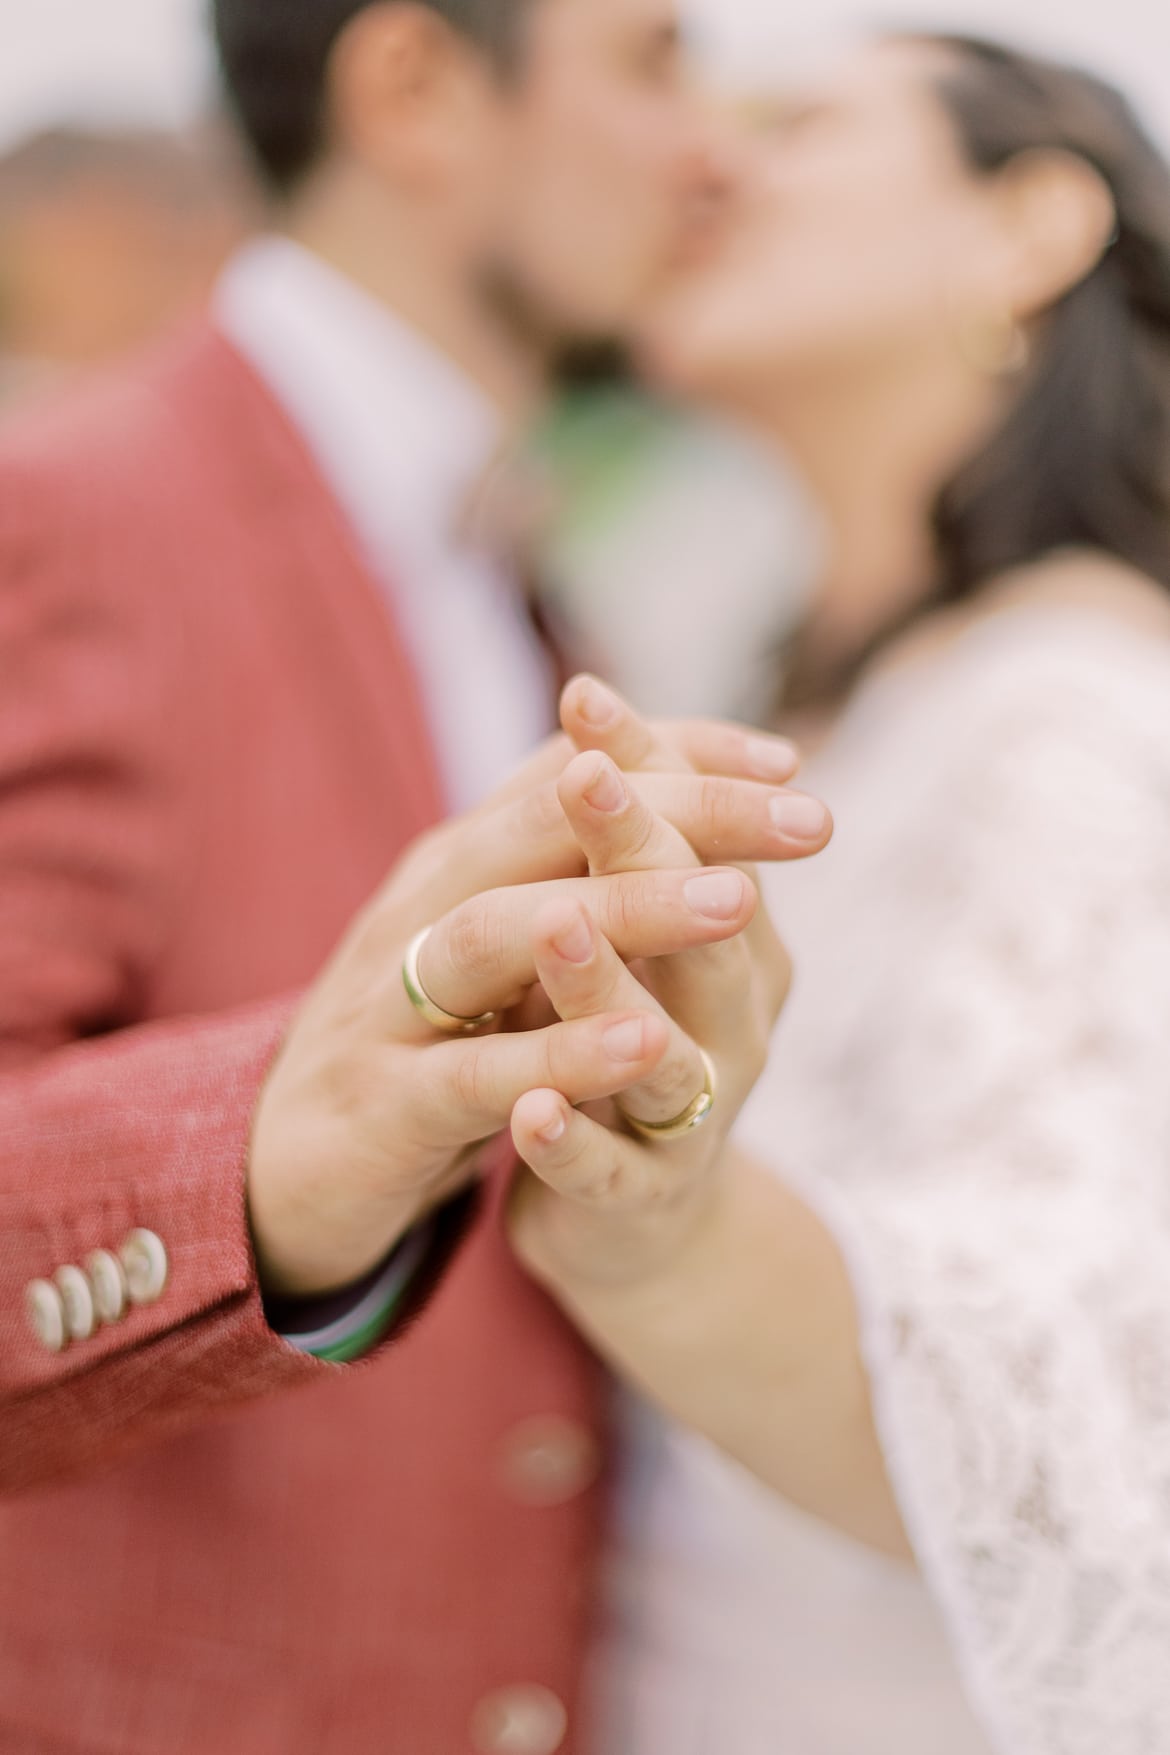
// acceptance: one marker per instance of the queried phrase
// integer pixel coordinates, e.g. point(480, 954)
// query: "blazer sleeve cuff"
point(147, 1132)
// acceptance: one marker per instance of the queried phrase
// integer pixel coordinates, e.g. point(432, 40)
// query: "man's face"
point(610, 179)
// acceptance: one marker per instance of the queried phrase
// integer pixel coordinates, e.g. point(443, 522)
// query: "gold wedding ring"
point(425, 1006)
point(692, 1117)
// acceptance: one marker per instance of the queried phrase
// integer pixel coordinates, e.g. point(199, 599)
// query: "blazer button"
point(109, 1285)
point(144, 1262)
point(46, 1315)
point(548, 1461)
point(77, 1301)
point(519, 1721)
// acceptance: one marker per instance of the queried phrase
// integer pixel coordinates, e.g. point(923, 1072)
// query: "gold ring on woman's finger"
point(422, 1002)
point(693, 1116)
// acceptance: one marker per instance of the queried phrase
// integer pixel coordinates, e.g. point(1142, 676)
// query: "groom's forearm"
point(747, 1332)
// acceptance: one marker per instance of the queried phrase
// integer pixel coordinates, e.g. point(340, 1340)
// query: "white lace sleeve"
point(981, 1087)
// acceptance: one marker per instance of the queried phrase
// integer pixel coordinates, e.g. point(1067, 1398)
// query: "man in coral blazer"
point(246, 659)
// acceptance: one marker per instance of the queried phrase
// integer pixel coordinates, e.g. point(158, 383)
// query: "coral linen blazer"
point(211, 753)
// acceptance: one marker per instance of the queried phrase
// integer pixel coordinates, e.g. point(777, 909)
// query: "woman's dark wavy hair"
point(1084, 458)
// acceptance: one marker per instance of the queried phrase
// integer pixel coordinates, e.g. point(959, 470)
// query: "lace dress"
point(972, 1083)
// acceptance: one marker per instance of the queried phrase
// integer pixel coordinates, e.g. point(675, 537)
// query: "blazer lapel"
point(339, 619)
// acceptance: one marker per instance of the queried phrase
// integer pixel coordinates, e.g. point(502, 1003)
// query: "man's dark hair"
point(275, 60)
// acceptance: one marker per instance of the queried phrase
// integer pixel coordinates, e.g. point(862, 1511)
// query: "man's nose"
point(716, 170)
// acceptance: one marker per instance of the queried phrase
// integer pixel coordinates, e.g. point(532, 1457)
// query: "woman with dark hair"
point(939, 1276)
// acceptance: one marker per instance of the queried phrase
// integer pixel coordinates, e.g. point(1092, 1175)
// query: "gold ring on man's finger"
point(422, 1002)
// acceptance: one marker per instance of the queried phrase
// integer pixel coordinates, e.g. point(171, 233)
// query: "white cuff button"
point(519, 1721)
point(144, 1262)
point(77, 1302)
point(46, 1314)
point(110, 1296)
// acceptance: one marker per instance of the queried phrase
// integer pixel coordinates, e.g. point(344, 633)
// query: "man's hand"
point(367, 1119)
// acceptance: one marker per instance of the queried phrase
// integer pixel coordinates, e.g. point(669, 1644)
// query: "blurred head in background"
point(511, 175)
point(106, 237)
point(948, 299)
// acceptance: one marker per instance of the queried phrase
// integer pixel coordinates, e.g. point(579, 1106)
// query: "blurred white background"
point(146, 60)
point(125, 61)
point(1128, 40)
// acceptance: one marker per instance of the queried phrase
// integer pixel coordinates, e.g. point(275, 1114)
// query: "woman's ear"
point(1057, 217)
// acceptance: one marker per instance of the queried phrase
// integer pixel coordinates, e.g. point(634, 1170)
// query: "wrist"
point(299, 1259)
point(576, 1252)
point(345, 1326)
point(313, 1230)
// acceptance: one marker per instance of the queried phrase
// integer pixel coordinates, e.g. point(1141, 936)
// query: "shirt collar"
point(402, 435)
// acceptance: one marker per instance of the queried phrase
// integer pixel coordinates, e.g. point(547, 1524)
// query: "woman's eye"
point(780, 120)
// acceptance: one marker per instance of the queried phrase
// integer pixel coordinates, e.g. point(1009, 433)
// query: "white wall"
point(1127, 40)
point(145, 58)
point(99, 60)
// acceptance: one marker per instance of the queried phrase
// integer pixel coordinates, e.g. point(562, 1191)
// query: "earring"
point(994, 344)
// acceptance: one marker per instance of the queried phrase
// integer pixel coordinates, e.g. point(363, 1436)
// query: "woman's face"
point(860, 232)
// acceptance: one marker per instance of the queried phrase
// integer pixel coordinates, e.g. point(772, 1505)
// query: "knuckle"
point(610, 990)
point(470, 1080)
point(630, 742)
point(639, 830)
point(567, 1058)
point(677, 1081)
point(631, 899)
point(606, 1181)
point(577, 1161)
point(472, 939)
point(590, 1168)
point(581, 992)
point(541, 815)
point(718, 803)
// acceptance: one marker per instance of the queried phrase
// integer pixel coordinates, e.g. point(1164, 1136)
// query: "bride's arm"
point(992, 1145)
point(748, 1333)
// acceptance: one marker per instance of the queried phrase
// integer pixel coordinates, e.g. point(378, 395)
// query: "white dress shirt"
point(403, 438)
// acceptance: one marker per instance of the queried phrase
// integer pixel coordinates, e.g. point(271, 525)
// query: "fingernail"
point(574, 941)
point(597, 705)
point(716, 895)
point(773, 758)
point(798, 816)
point(606, 791)
point(552, 1130)
point(626, 1041)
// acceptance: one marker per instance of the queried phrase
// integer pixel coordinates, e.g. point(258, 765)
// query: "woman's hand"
point(604, 1204)
point(701, 1277)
